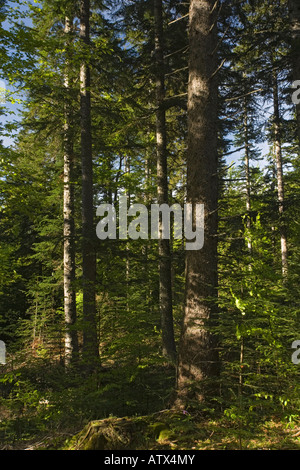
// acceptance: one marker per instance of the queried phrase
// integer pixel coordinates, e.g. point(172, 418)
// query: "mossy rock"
point(160, 431)
point(166, 435)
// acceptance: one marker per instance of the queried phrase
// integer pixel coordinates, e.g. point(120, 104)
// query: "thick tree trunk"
point(294, 9)
point(90, 340)
point(71, 340)
point(165, 273)
point(279, 175)
point(198, 357)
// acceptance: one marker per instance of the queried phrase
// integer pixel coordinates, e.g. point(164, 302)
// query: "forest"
point(149, 236)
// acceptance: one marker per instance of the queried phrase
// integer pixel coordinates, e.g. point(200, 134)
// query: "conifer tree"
point(165, 281)
point(198, 356)
point(294, 10)
point(71, 340)
point(279, 175)
point(90, 338)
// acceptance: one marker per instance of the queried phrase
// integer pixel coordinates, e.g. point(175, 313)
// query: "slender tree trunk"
point(71, 341)
point(198, 364)
point(90, 340)
point(247, 172)
point(146, 245)
point(165, 282)
point(294, 8)
point(127, 272)
point(279, 175)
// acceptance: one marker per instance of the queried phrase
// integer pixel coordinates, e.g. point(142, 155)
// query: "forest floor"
point(42, 408)
point(171, 431)
point(166, 431)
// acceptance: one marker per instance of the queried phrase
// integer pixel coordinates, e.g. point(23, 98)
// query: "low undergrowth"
point(44, 408)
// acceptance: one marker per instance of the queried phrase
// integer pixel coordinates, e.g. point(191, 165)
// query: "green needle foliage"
point(258, 306)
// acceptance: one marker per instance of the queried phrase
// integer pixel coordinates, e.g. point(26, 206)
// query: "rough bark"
point(294, 9)
point(165, 273)
point(90, 340)
point(71, 340)
point(198, 356)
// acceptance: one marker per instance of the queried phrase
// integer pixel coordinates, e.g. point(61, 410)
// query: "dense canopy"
point(106, 319)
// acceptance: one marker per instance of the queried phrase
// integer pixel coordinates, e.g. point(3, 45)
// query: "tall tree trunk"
point(198, 363)
point(165, 282)
point(247, 172)
point(294, 9)
point(127, 272)
point(279, 176)
point(71, 340)
point(90, 340)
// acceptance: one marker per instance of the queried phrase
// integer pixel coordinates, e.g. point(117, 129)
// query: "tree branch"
point(178, 19)
point(242, 96)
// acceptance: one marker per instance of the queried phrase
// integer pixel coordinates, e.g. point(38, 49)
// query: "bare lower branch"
point(178, 19)
point(242, 96)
